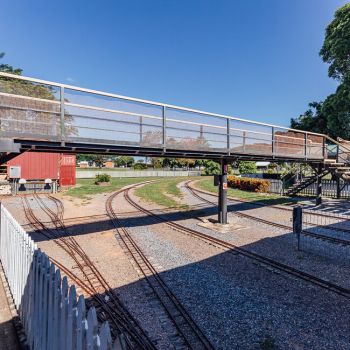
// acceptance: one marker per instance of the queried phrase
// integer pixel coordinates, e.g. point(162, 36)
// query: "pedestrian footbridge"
point(46, 116)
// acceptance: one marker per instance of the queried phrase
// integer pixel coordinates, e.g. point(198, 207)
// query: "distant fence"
point(89, 174)
point(276, 186)
point(52, 314)
point(329, 189)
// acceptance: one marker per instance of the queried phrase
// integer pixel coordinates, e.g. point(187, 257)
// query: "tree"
point(332, 116)
point(38, 117)
point(157, 162)
point(337, 109)
point(246, 167)
point(312, 120)
point(211, 167)
point(127, 161)
point(336, 46)
point(7, 68)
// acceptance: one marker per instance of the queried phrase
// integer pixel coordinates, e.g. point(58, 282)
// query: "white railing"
point(34, 109)
point(52, 314)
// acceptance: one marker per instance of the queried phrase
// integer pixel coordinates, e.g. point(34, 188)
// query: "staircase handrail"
point(340, 147)
point(336, 142)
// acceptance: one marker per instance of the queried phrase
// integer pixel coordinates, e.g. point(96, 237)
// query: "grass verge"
point(163, 192)
point(207, 184)
point(86, 187)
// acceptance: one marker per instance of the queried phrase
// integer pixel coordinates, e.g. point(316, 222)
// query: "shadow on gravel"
point(239, 303)
point(199, 211)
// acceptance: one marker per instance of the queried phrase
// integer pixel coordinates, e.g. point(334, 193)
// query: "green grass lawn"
point(207, 184)
point(86, 187)
point(162, 191)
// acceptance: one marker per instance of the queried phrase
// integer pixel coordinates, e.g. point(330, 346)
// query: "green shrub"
point(247, 167)
point(140, 166)
point(247, 184)
point(102, 178)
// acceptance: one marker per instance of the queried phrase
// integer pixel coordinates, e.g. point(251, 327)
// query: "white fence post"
point(51, 316)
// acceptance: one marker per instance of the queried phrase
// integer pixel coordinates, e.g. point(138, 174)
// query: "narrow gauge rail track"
point(279, 207)
point(251, 255)
point(191, 335)
point(93, 283)
point(319, 236)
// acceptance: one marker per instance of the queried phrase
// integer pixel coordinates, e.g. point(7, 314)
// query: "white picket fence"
point(52, 314)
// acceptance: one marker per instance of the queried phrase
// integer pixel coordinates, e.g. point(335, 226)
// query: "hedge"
point(248, 184)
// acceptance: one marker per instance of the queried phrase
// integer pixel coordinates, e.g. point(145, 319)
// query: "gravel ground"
point(317, 257)
point(249, 303)
point(238, 303)
point(98, 241)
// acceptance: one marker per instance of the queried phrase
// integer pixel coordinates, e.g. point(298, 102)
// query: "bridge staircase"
point(305, 182)
point(337, 163)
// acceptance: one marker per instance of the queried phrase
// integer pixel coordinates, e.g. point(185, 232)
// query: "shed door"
point(67, 170)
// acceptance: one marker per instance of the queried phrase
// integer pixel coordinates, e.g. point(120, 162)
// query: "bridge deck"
point(56, 117)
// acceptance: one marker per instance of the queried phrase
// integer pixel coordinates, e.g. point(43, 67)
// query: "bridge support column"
point(319, 185)
point(222, 215)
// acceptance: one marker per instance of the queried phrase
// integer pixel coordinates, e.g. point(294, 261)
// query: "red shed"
point(41, 166)
point(67, 170)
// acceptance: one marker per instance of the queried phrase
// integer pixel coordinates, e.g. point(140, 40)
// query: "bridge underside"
point(82, 148)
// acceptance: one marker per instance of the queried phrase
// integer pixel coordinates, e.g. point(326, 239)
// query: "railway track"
point(231, 248)
point(109, 307)
point(190, 334)
point(308, 233)
point(279, 207)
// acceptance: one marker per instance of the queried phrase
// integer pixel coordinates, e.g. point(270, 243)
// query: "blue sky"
point(251, 59)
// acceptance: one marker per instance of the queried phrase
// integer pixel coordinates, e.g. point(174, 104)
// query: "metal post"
point(338, 187)
point(305, 145)
point(273, 141)
point(220, 199)
point(164, 128)
point(62, 116)
point(222, 217)
point(244, 137)
point(140, 130)
point(319, 185)
point(297, 222)
point(228, 137)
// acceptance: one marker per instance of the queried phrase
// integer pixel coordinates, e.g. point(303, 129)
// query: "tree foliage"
point(211, 167)
point(336, 46)
point(332, 116)
point(127, 161)
point(4, 67)
point(247, 167)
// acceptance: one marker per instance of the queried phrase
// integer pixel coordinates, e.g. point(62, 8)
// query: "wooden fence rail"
point(52, 314)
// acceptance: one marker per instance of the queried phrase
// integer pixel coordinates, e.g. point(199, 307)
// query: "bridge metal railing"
point(52, 314)
point(34, 109)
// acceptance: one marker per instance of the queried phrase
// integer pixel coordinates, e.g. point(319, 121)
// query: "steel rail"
point(125, 316)
point(187, 328)
point(116, 313)
point(279, 207)
point(322, 237)
point(345, 292)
